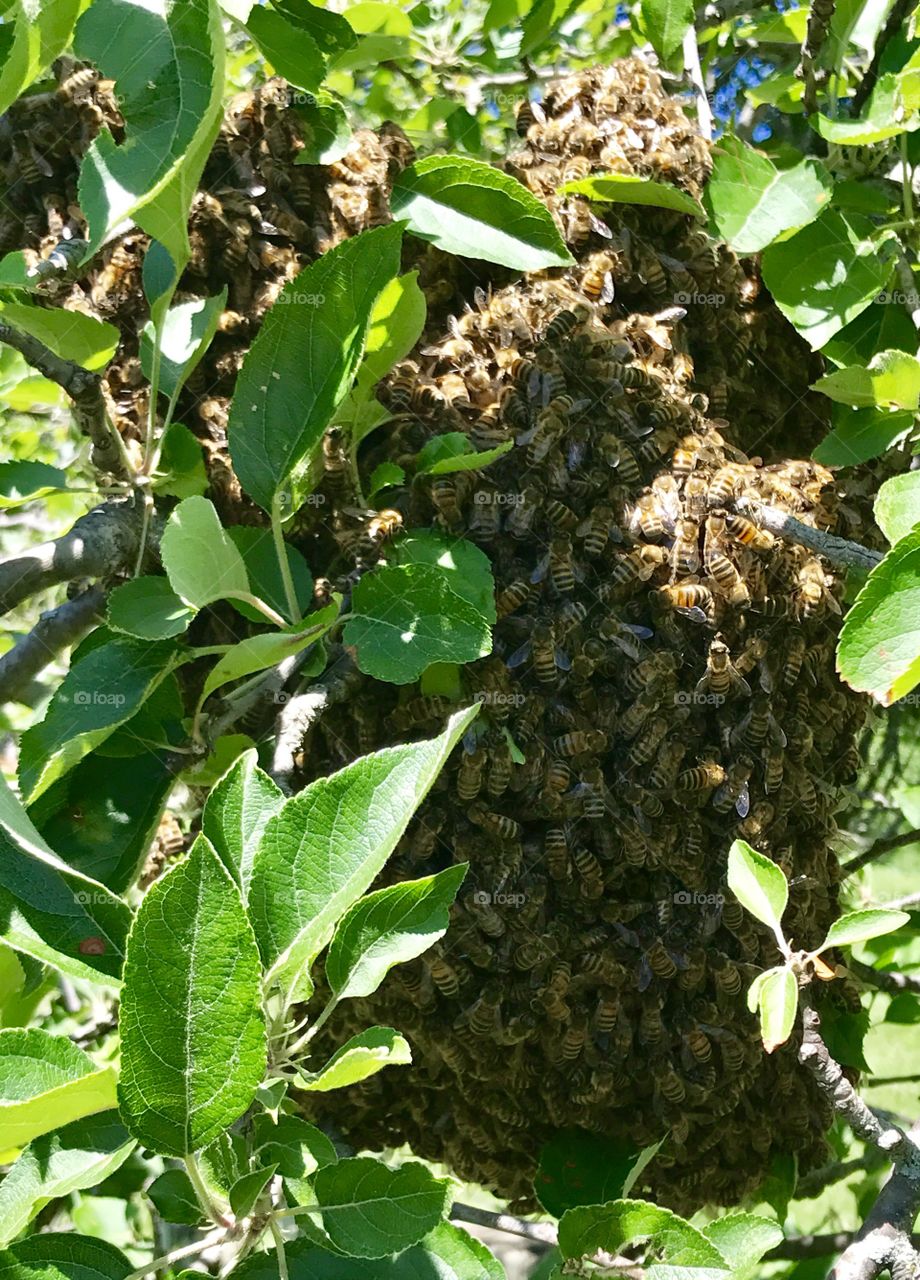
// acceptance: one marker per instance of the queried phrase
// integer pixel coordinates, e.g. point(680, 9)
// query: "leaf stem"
point(907, 187)
point(197, 1246)
point(205, 1199)
point(283, 562)
point(279, 1248)
point(248, 598)
point(312, 1030)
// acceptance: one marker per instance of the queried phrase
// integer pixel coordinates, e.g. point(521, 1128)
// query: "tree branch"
point(878, 848)
point(892, 981)
point(541, 1232)
point(303, 711)
point(101, 543)
point(839, 551)
point(85, 391)
point(57, 629)
point(813, 1183)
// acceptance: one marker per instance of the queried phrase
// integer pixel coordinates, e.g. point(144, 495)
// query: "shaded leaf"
point(626, 188)
point(64, 1256)
point(454, 452)
point(174, 1198)
point(580, 1168)
point(24, 481)
point(149, 609)
point(862, 434)
point(369, 1210)
point(186, 333)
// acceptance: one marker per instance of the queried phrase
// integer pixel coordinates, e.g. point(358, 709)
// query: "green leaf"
point(584, 1230)
point(433, 603)
point(753, 993)
point(884, 117)
point(172, 103)
point(326, 846)
point(826, 274)
point(897, 505)
point(859, 926)
point(304, 359)
point(389, 927)
point(446, 1253)
point(103, 688)
point(181, 472)
point(396, 324)
point(361, 1056)
point(174, 1198)
point(891, 381)
point(862, 434)
point(267, 649)
point(200, 559)
point(40, 31)
point(878, 651)
point(844, 1033)
point(468, 208)
point(384, 476)
point(776, 28)
point(80, 1155)
point(50, 911)
point(187, 1073)
point(258, 551)
point(185, 337)
point(296, 1147)
point(453, 452)
point(369, 1210)
point(26, 481)
point(245, 1192)
point(752, 201)
point(73, 336)
point(148, 608)
point(46, 1082)
point(102, 816)
point(883, 326)
point(579, 1168)
point(743, 1238)
point(293, 54)
point(758, 884)
point(64, 1256)
point(777, 1001)
point(666, 22)
point(236, 812)
point(324, 127)
point(329, 30)
point(627, 188)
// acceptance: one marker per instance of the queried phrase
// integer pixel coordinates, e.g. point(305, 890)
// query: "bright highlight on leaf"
point(758, 884)
point(626, 188)
point(860, 926)
point(777, 1001)
point(879, 647)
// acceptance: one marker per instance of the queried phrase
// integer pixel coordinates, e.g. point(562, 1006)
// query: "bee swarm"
point(662, 675)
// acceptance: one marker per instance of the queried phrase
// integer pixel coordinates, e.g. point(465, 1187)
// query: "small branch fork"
point(884, 1240)
point(839, 551)
point(878, 849)
point(99, 544)
point(85, 391)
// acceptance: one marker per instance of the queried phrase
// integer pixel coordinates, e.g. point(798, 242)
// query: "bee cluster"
point(662, 673)
point(661, 683)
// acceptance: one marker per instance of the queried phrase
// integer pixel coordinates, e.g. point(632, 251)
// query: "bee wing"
point(563, 661)
point(519, 656)
point(540, 572)
point(694, 613)
point(608, 290)
point(741, 685)
point(743, 802)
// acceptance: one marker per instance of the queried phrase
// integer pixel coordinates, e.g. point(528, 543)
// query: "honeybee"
point(685, 553)
point(512, 598)
point(721, 677)
point(667, 765)
point(523, 513)
point(483, 1015)
point(635, 715)
point(445, 498)
point(606, 1011)
point(753, 652)
point(814, 590)
point(443, 975)
point(589, 869)
point(646, 519)
point(726, 484)
point(580, 742)
point(556, 848)
point(690, 598)
point(561, 566)
point(636, 566)
point(562, 326)
point(746, 532)
point(573, 1041)
point(734, 790)
point(647, 741)
point(596, 530)
point(597, 281)
point(496, 824)
point(548, 660)
point(701, 778)
point(720, 568)
point(758, 725)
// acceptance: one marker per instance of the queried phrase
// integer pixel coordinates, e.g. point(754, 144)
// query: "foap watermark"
point(485, 499)
point(686, 898)
point(490, 698)
point(699, 299)
point(697, 698)
point(301, 299)
point(98, 698)
point(87, 899)
point(482, 898)
point(899, 298)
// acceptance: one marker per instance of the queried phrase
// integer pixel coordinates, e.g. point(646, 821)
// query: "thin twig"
point(902, 904)
point(303, 711)
point(695, 72)
point(541, 1232)
point(57, 629)
point(839, 551)
point(197, 1246)
point(876, 850)
point(100, 544)
point(85, 391)
point(813, 1183)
